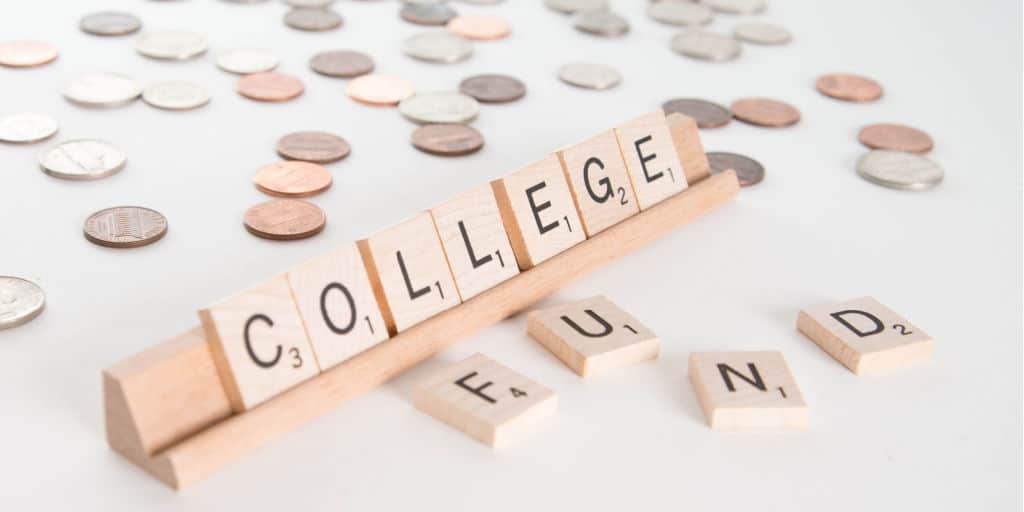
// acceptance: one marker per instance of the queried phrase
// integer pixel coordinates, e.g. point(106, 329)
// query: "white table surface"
point(946, 436)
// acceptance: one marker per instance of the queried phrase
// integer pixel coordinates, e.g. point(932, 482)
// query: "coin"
point(26, 128)
point(447, 139)
point(110, 23)
point(676, 12)
point(341, 63)
point(573, 6)
point(171, 45)
point(176, 95)
point(85, 159)
point(748, 171)
point(439, 107)
point(899, 170)
point(437, 47)
point(319, 147)
point(735, 6)
point(26, 54)
point(589, 75)
point(312, 19)
point(706, 113)
point(762, 33)
point(245, 61)
point(702, 44)
point(484, 28)
point(124, 227)
point(427, 14)
point(842, 86)
point(896, 137)
point(600, 23)
point(379, 89)
point(270, 86)
point(102, 90)
point(765, 112)
point(21, 300)
point(309, 3)
point(292, 178)
point(493, 88)
point(285, 219)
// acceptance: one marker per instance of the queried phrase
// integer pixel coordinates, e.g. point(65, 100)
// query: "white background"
point(945, 436)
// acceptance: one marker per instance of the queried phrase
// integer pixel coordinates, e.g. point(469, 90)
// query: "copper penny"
point(896, 137)
point(765, 112)
point(318, 147)
point(285, 219)
point(486, 28)
point(706, 113)
point(493, 88)
point(846, 87)
point(26, 54)
point(341, 63)
point(379, 89)
point(123, 227)
point(292, 178)
point(447, 139)
point(269, 86)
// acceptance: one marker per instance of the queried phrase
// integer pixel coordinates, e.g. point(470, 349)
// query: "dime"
point(171, 45)
point(485, 28)
point(600, 22)
point(312, 19)
point(439, 107)
point(574, 6)
point(896, 137)
point(21, 300)
point(702, 44)
point(245, 61)
point(762, 33)
point(706, 113)
point(676, 12)
point(26, 128)
point(437, 47)
point(292, 178)
point(270, 86)
point(319, 147)
point(176, 95)
point(341, 63)
point(589, 75)
point(748, 171)
point(842, 86)
point(899, 170)
point(85, 159)
point(427, 14)
point(102, 90)
point(765, 112)
point(379, 89)
point(493, 88)
point(125, 227)
point(447, 139)
point(26, 54)
point(735, 6)
point(110, 23)
point(285, 219)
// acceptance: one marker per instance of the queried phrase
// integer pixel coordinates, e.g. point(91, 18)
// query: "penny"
point(341, 63)
point(379, 89)
point(292, 178)
point(574, 6)
point(705, 45)
point(589, 75)
point(439, 107)
point(318, 147)
point(246, 61)
point(171, 45)
point(706, 113)
point(447, 139)
point(427, 14)
point(312, 19)
point(124, 227)
point(600, 23)
point(748, 171)
point(437, 47)
point(843, 86)
point(26, 54)
point(765, 112)
point(21, 300)
point(270, 86)
point(484, 28)
point(26, 128)
point(896, 137)
point(102, 90)
point(762, 33)
point(493, 88)
point(285, 219)
point(85, 159)
point(176, 95)
point(899, 170)
point(735, 6)
point(110, 23)
point(675, 12)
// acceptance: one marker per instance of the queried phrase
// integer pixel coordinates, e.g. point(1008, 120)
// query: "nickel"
point(86, 159)
point(589, 75)
point(600, 22)
point(21, 300)
point(102, 90)
point(705, 45)
point(439, 107)
point(176, 95)
point(245, 61)
point(437, 47)
point(899, 170)
point(125, 227)
point(762, 33)
point(26, 128)
point(171, 45)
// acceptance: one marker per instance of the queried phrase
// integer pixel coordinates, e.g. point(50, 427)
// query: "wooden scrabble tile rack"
point(167, 410)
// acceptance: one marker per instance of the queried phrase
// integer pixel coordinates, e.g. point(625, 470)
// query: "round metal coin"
point(765, 112)
point(589, 75)
point(600, 23)
point(292, 178)
point(702, 44)
point(896, 137)
point(341, 63)
point(762, 33)
point(843, 86)
point(676, 12)
point(427, 14)
point(21, 300)
point(245, 61)
point(85, 159)
point(735, 6)
point(26, 54)
point(102, 90)
point(493, 88)
point(270, 86)
point(447, 139)
point(439, 107)
point(26, 128)
point(748, 171)
point(484, 28)
point(437, 47)
point(125, 227)
point(706, 113)
point(285, 219)
point(110, 23)
point(899, 170)
point(309, 3)
point(574, 6)
point(171, 45)
point(379, 89)
point(319, 147)
point(312, 19)
point(176, 95)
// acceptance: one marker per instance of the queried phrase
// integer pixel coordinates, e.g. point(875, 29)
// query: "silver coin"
point(102, 90)
point(312, 19)
point(680, 12)
point(110, 23)
point(574, 6)
point(899, 170)
point(20, 301)
point(245, 61)
point(762, 33)
point(735, 6)
point(309, 3)
point(427, 14)
point(26, 128)
point(424, 2)
point(86, 159)
point(171, 45)
point(589, 75)
point(437, 47)
point(701, 44)
point(439, 107)
point(600, 22)
point(176, 95)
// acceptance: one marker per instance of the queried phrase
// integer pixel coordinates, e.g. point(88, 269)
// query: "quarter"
point(86, 159)
point(21, 300)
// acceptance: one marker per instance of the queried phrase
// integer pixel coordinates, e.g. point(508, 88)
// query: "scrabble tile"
point(337, 305)
point(649, 150)
point(486, 400)
point(538, 211)
point(747, 390)
point(599, 182)
point(686, 137)
point(258, 343)
point(865, 336)
point(592, 336)
point(409, 272)
point(475, 241)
